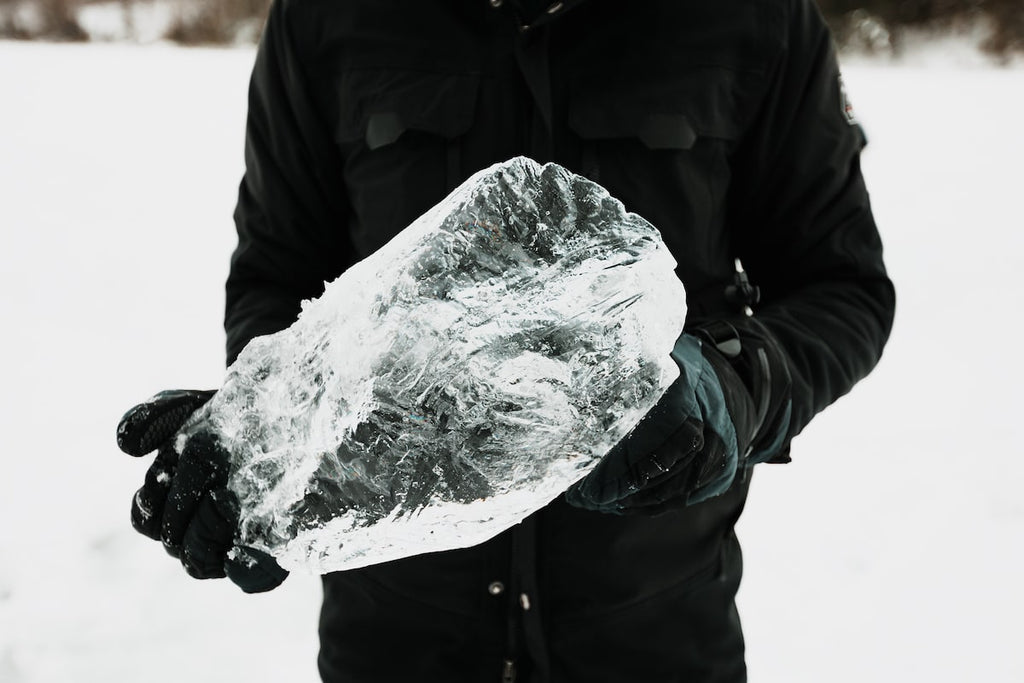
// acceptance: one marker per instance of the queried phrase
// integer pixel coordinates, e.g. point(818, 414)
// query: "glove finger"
point(662, 486)
point(657, 495)
point(618, 475)
point(678, 450)
point(254, 571)
point(604, 484)
point(624, 473)
point(145, 427)
point(209, 537)
point(148, 502)
point(709, 473)
point(664, 463)
point(201, 468)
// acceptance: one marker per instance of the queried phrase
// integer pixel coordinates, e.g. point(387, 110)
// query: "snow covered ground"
point(892, 549)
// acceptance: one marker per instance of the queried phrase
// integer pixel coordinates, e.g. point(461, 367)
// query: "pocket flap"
point(379, 105)
point(670, 113)
point(656, 131)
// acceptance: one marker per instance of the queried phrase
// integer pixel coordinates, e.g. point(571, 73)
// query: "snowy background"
point(892, 549)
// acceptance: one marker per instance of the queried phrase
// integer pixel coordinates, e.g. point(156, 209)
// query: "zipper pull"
point(741, 292)
point(508, 672)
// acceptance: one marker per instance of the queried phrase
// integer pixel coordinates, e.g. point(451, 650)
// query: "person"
point(725, 125)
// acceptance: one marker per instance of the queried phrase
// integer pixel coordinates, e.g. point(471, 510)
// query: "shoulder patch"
point(844, 102)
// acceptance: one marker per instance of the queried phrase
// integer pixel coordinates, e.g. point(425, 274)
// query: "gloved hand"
point(728, 409)
point(184, 502)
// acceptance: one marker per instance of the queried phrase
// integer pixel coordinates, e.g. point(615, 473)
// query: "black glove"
point(184, 502)
point(729, 409)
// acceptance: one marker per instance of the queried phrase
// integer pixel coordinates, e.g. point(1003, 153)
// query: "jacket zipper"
point(508, 672)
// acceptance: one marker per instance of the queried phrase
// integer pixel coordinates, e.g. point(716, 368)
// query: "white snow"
point(890, 550)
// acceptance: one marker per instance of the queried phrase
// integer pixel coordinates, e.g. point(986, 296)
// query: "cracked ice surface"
point(455, 381)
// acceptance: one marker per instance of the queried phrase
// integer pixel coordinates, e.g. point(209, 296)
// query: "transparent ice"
point(455, 381)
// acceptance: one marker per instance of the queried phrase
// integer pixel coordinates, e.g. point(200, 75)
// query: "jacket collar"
point(535, 13)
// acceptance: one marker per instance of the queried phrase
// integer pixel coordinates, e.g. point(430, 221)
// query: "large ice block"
point(455, 381)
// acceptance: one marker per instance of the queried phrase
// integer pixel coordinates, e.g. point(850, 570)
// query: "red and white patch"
point(844, 101)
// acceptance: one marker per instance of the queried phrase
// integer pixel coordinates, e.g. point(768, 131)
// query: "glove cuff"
point(756, 381)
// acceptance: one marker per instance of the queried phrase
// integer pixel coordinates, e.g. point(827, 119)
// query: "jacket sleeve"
point(804, 227)
point(291, 210)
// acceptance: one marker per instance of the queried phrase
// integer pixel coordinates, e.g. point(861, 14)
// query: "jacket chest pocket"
point(663, 149)
point(399, 133)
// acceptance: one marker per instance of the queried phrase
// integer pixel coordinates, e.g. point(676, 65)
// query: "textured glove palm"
point(728, 409)
point(184, 502)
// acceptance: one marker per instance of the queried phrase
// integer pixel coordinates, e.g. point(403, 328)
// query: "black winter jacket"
point(723, 123)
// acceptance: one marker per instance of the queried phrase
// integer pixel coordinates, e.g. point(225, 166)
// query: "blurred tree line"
point(872, 25)
point(187, 22)
point(882, 25)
